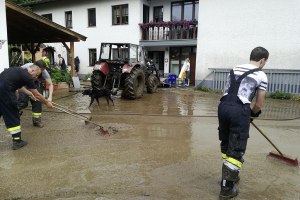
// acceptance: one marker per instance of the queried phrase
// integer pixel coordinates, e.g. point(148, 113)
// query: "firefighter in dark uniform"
point(11, 80)
point(23, 99)
point(234, 115)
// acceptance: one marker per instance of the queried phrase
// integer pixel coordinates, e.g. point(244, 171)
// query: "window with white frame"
point(91, 17)
point(92, 57)
point(68, 17)
point(158, 14)
point(120, 14)
point(185, 10)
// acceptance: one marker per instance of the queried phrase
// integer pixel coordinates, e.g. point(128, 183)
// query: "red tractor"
point(122, 66)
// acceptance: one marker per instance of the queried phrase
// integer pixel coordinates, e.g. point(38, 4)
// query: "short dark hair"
point(41, 63)
point(259, 53)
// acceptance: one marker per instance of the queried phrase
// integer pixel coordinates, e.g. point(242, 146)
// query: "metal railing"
point(278, 80)
point(173, 30)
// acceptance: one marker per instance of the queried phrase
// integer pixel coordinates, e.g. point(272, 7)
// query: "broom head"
point(290, 161)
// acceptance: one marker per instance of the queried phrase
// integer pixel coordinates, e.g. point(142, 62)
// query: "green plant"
point(60, 76)
point(280, 95)
point(204, 89)
point(87, 76)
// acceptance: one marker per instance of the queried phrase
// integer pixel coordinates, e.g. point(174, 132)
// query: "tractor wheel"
point(134, 84)
point(152, 83)
point(97, 79)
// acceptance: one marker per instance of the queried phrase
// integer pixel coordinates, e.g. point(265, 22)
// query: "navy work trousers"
point(234, 123)
point(8, 106)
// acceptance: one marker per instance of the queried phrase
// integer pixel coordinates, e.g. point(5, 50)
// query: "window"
point(68, 17)
point(187, 10)
point(48, 16)
point(145, 14)
point(158, 14)
point(120, 14)
point(92, 17)
point(92, 57)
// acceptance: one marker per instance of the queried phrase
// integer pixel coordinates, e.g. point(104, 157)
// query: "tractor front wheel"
point(97, 79)
point(152, 83)
point(134, 84)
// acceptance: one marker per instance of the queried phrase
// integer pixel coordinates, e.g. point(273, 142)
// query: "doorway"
point(158, 59)
point(177, 58)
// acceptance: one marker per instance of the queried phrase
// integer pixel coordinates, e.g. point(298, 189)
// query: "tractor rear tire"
point(152, 83)
point(97, 79)
point(134, 84)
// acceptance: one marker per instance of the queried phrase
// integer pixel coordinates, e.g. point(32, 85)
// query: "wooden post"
point(72, 58)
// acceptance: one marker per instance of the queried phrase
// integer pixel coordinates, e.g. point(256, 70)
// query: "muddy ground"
point(162, 146)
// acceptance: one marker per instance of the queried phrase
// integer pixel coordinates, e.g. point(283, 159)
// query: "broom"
point(86, 121)
point(280, 156)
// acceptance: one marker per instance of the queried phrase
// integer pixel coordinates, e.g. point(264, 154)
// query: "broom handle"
point(78, 116)
point(70, 110)
point(267, 138)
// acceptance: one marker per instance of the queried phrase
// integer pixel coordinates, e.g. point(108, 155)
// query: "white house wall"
point(104, 30)
point(229, 30)
point(4, 61)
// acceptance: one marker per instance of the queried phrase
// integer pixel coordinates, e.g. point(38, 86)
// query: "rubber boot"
point(37, 121)
point(228, 188)
point(17, 141)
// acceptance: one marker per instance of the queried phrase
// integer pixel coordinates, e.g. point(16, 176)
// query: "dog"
point(97, 93)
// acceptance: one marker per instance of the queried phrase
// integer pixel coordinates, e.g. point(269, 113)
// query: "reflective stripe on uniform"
point(224, 156)
point(36, 115)
point(14, 130)
point(232, 160)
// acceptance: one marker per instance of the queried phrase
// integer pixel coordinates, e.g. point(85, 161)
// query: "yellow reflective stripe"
point(36, 114)
point(234, 161)
point(224, 156)
point(17, 138)
point(14, 130)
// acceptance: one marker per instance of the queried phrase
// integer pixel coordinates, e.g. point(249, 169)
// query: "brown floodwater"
point(162, 146)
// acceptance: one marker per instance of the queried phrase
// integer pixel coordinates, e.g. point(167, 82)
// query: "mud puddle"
point(162, 146)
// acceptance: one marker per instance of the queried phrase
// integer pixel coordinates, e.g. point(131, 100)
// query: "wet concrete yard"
point(162, 146)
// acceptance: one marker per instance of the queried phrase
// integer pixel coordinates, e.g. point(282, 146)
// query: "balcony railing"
point(172, 30)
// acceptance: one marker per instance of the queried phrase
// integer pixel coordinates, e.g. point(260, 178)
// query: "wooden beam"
point(66, 46)
point(33, 49)
point(72, 58)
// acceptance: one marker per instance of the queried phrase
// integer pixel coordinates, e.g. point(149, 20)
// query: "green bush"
point(280, 95)
point(204, 89)
point(58, 76)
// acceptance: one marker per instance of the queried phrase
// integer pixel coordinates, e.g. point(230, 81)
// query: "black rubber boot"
point(228, 190)
point(229, 178)
point(17, 141)
point(37, 122)
point(18, 144)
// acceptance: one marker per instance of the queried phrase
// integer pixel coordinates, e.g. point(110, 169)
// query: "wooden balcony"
point(173, 30)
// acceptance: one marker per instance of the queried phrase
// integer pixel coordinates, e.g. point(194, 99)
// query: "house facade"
point(214, 34)
point(4, 61)
point(167, 29)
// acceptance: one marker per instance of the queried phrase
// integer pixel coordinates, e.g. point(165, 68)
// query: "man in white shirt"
point(234, 114)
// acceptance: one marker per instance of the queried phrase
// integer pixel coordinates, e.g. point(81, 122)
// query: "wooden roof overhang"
point(25, 26)
point(29, 28)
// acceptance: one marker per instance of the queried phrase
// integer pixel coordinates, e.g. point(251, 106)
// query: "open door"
point(192, 58)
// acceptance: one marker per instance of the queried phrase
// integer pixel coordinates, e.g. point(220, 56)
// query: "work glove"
point(254, 115)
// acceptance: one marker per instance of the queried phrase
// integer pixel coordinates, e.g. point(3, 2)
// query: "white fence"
point(278, 80)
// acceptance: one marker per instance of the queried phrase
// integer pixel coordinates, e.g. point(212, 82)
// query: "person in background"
point(187, 73)
point(36, 105)
point(76, 63)
point(45, 58)
point(183, 71)
point(234, 115)
point(62, 63)
point(11, 80)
